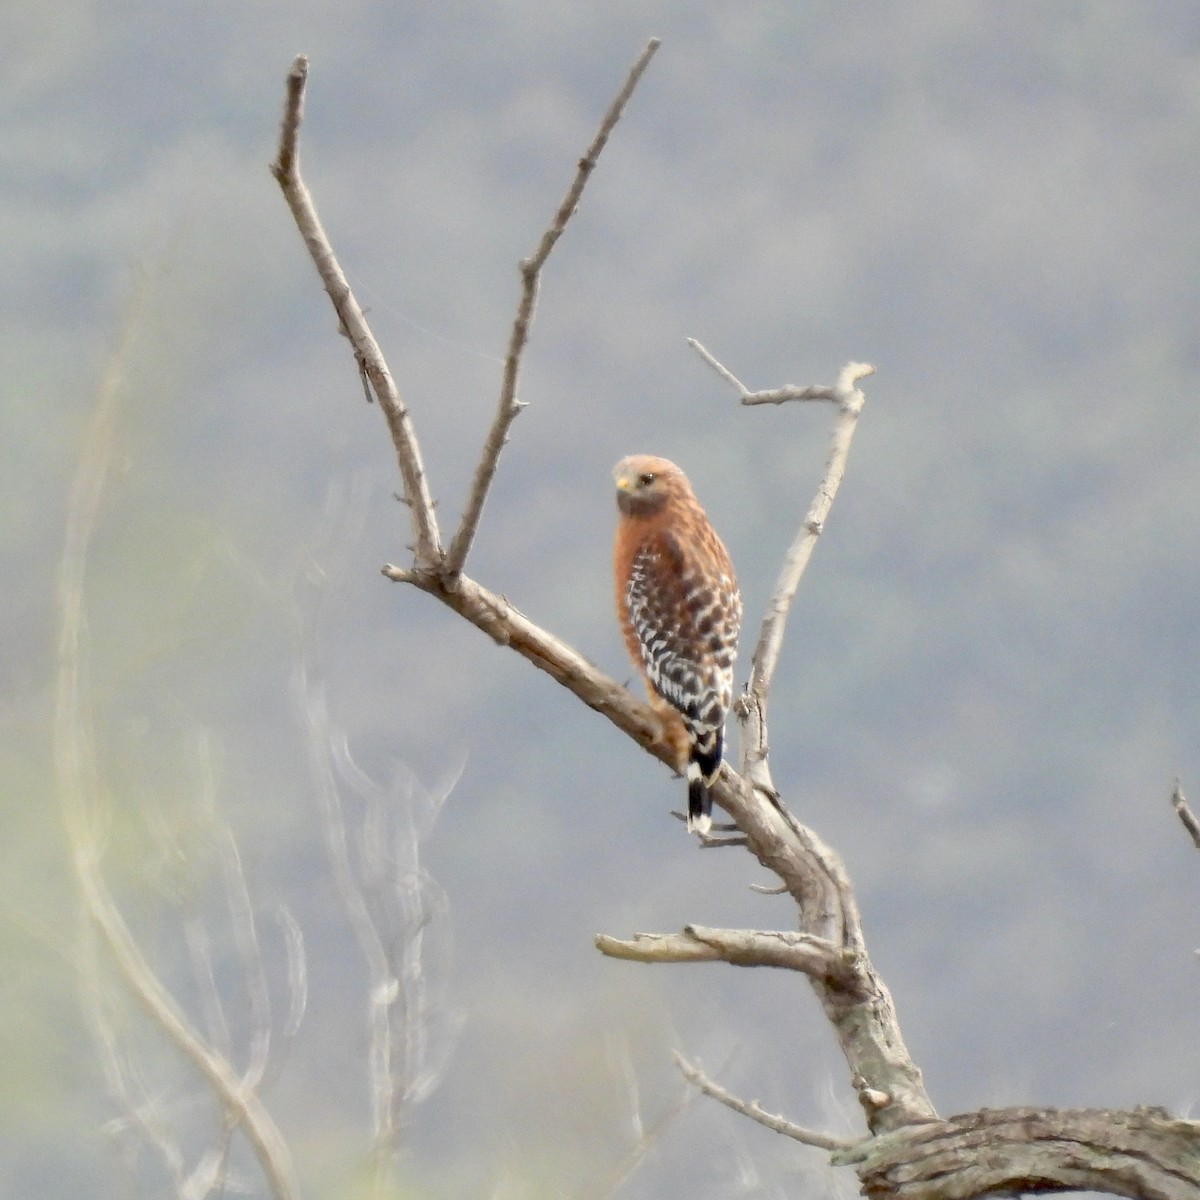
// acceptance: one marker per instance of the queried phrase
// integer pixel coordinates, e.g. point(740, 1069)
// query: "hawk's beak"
point(624, 483)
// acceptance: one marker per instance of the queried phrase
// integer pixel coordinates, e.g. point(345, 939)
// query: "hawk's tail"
point(699, 817)
point(703, 764)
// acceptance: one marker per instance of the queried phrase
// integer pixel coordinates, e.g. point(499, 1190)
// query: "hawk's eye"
point(646, 478)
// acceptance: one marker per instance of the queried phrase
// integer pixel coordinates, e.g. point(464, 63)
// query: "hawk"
point(679, 609)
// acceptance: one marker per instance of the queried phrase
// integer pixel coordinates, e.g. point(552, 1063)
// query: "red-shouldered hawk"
point(679, 608)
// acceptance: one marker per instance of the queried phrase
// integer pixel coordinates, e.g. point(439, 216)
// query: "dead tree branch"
point(739, 947)
point(507, 626)
point(427, 545)
point(1184, 813)
point(531, 272)
point(752, 1109)
point(1144, 1153)
point(849, 401)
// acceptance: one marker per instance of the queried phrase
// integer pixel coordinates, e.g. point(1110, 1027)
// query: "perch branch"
point(752, 1109)
point(427, 545)
point(507, 626)
point(862, 1014)
point(818, 880)
point(887, 1081)
point(531, 270)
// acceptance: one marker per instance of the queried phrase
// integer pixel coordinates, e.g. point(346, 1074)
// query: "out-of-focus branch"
point(531, 270)
point(427, 545)
point(646, 1134)
point(78, 787)
point(245, 937)
point(374, 835)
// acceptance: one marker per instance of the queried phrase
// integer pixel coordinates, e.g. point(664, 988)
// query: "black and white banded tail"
point(703, 764)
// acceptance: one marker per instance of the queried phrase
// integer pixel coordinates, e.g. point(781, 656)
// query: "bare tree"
point(908, 1150)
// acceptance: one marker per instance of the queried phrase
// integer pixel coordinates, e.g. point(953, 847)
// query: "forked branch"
point(427, 547)
point(849, 400)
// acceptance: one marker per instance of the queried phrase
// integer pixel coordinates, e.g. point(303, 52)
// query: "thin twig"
point(531, 268)
point(820, 887)
point(297, 970)
point(770, 638)
point(752, 1109)
point(142, 1113)
point(310, 698)
point(779, 395)
point(286, 169)
point(850, 401)
point(1185, 814)
point(720, 368)
point(199, 947)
